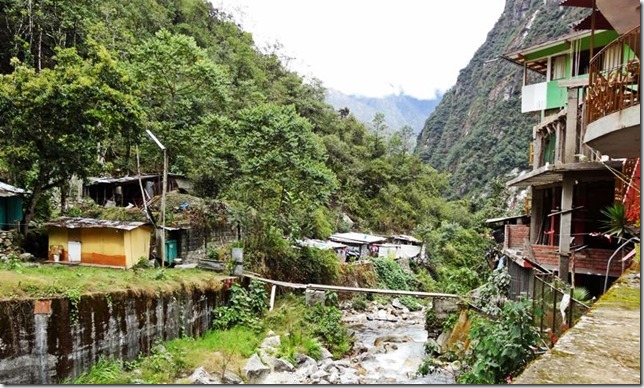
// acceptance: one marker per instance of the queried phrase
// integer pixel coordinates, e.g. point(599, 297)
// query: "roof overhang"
point(536, 57)
point(554, 173)
point(83, 223)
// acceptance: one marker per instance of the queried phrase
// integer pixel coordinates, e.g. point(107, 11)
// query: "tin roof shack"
point(99, 242)
point(339, 249)
point(10, 206)
point(359, 245)
point(126, 190)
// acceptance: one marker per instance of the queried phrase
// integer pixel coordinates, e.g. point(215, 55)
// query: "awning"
point(554, 173)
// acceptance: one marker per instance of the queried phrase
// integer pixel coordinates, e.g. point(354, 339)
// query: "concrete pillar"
point(571, 126)
point(565, 226)
point(536, 214)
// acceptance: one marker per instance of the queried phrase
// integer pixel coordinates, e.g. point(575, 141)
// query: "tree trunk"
point(63, 197)
point(30, 208)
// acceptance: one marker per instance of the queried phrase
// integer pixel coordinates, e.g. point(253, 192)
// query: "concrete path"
point(602, 348)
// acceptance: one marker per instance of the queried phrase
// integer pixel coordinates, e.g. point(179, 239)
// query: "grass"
point(173, 361)
point(48, 281)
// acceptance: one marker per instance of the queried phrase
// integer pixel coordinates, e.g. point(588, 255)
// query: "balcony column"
point(565, 226)
point(536, 214)
point(570, 144)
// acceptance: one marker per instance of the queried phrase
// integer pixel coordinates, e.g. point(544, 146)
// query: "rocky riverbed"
point(388, 349)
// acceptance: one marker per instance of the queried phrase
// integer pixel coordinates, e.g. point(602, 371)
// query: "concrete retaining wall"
point(46, 341)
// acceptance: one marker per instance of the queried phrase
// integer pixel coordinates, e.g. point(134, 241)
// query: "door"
point(74, 248)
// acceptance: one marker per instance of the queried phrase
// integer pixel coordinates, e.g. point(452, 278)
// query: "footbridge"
point(325, 287)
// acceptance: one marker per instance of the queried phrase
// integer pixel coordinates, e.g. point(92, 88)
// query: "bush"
point(501, 348)
point(391, 275)
point(329, 329)
point(245, 308)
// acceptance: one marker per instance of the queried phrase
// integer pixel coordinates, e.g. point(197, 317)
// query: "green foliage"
point(327, 326)
point(391, 275)
point(359, 303)
point(494, 294)
point(245, 308)
point(617, 223)
point(412, 303)
point(501, 348)
point(105, 371)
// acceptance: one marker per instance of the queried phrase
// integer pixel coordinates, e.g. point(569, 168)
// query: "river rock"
point(273, 342)
point(325, 354)
point(282, 365)
point(349, 378)
point(255, 370)
point(317, 376)
point(200, 376)
point(333, 378)
point(441, 341)
point(231, 378)
point(392, 338)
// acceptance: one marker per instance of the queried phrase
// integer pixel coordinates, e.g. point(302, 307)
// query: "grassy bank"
point(46, 281)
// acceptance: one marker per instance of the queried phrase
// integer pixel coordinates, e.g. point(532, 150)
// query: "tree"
point(182, 86)
point(53, 121)
point(379, 127)
point(281, 163)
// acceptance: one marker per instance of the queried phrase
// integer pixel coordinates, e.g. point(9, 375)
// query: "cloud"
point(372, 48)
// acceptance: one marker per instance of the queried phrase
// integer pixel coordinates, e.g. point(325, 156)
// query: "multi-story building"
point(586, 147)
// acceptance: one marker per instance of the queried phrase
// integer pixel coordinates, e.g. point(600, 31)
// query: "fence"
point(547, 316)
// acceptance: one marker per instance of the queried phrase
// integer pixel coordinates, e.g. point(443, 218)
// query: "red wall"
point(590, 261)
point(515, 236)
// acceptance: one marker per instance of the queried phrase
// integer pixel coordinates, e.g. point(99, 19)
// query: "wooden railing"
point(614, 82)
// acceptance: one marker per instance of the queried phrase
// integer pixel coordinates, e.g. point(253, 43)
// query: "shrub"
point(245, 308)
point(329, 329)
point(391, 275)
point(501, 348)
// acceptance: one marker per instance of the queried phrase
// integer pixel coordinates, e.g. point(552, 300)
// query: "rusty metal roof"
point(79, 222)
point(6, 190)
point(129, 178)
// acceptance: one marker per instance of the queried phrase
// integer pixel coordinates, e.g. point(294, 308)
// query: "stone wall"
point(46, 341)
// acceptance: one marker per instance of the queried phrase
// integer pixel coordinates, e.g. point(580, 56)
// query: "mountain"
point(477, 132)
point(399, 110)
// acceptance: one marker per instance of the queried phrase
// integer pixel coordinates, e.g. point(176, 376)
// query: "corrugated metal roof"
point(79, 222)
point(320, 244)
point(124, 179)
point(405, 237)
point(353, 237)
point(6, 190)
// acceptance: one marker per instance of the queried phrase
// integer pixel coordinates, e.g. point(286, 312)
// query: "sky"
point(371, 48)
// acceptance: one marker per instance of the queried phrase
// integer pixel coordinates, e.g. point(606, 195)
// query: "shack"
point(126, 190)
point(359, 245)
point(10, 206)
point(92, 241)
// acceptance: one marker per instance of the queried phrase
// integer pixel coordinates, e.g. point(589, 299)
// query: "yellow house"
point(98, 242)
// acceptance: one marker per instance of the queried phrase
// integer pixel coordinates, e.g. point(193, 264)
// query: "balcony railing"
point(614, 82)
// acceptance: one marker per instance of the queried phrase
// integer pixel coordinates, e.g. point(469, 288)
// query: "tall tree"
point(53, 120)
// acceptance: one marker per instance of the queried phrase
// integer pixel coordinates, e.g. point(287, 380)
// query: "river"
point(394, 340)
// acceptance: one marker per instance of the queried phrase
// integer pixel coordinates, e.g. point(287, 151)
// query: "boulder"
point(200, 376)
point(255, 370)
point(282, 365)
point(392, 338)
point(325, 354)
point(231, 378)
point(273, 342)
point(312, 297)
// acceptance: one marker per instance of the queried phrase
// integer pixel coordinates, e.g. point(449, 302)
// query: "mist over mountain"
point(399, 110)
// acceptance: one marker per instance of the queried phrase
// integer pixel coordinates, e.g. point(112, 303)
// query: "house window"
point(558, 67)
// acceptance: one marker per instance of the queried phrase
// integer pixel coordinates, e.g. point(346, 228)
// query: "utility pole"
point(163, 190)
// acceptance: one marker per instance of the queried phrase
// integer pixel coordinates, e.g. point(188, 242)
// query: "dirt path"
point(602, 348)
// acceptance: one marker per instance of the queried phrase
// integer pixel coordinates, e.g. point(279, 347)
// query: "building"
point(10, 206)
point(91, 241)
point(339, 249)
point(359, 245)
point(126, 190)
point(587, 96)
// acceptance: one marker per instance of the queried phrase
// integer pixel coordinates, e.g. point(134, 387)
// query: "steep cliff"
point(477, 132)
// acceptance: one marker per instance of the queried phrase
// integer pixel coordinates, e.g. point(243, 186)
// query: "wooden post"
point(570, 139)
point(554, 313)
point(272, 297)
point(163, 190)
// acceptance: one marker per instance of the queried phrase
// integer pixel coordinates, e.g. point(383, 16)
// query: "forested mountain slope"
point(477, 132)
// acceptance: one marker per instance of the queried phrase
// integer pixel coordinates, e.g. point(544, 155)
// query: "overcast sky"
point(372, 47)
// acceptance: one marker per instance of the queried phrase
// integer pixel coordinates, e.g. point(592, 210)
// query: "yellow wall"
point(137, 245)
point(105, 245)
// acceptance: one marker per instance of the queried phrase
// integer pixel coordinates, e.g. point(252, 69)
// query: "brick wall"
point(515, 235)
point(590, 261)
